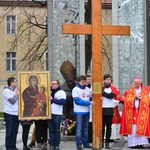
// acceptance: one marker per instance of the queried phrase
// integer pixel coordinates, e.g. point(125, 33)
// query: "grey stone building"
point(67, 47)
point(130, 52)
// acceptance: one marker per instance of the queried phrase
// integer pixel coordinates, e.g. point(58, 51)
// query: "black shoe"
point(137, 147)
point(107, 145)
point(79, 147)
point(131, 147)
point(141, 146)
point(88, 146)
point(32, 144)
point(26, 148)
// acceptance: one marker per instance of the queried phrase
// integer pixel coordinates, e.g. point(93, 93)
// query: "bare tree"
point(30, 40)
point(34, 32)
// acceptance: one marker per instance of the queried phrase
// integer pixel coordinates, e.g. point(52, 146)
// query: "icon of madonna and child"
point(34, 98)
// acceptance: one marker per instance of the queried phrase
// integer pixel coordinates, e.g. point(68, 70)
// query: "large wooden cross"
point(96, 29)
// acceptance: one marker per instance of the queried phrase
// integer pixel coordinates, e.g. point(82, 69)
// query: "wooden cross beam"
point(96, 29)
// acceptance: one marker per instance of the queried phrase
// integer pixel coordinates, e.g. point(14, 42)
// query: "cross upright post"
point(96, 29)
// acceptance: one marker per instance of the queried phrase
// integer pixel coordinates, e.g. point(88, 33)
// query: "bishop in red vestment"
point(135, 123)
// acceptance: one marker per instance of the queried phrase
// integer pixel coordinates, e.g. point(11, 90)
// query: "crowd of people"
point(135, 121)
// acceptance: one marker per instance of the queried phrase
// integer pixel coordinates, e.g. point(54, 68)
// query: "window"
point(11, 24)
point(10, 61)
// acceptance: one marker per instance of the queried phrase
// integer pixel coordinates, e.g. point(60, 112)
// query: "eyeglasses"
point(54, 83)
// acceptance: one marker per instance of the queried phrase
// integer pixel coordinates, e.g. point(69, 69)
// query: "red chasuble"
point(131, 115)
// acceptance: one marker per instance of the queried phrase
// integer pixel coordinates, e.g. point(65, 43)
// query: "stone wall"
point(131, 48)
point(64, 12)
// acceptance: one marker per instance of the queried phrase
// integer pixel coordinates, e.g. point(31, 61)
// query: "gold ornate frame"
point(30, 107)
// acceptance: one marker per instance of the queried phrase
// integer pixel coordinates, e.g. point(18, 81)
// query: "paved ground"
point(68, 144)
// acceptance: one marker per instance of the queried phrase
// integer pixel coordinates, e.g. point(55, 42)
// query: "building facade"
point(130, 52)
point(23, 39)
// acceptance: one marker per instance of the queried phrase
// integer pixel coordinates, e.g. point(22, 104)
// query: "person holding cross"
point(82, 97)
point(110, 94)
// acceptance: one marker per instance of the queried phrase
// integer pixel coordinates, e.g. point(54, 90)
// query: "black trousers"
point(90, 132)
point(107, 122)
point(25, 133)
point(41, 131)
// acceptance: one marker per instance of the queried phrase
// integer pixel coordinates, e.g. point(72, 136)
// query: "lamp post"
point(50, 35)
point(75, 49)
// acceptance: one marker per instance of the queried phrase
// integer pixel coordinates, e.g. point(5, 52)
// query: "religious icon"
point(34, 94)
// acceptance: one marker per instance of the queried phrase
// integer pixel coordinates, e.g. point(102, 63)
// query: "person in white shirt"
point(82, 97)
point(109, 94)
point(10, 97)
point(58, 99)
